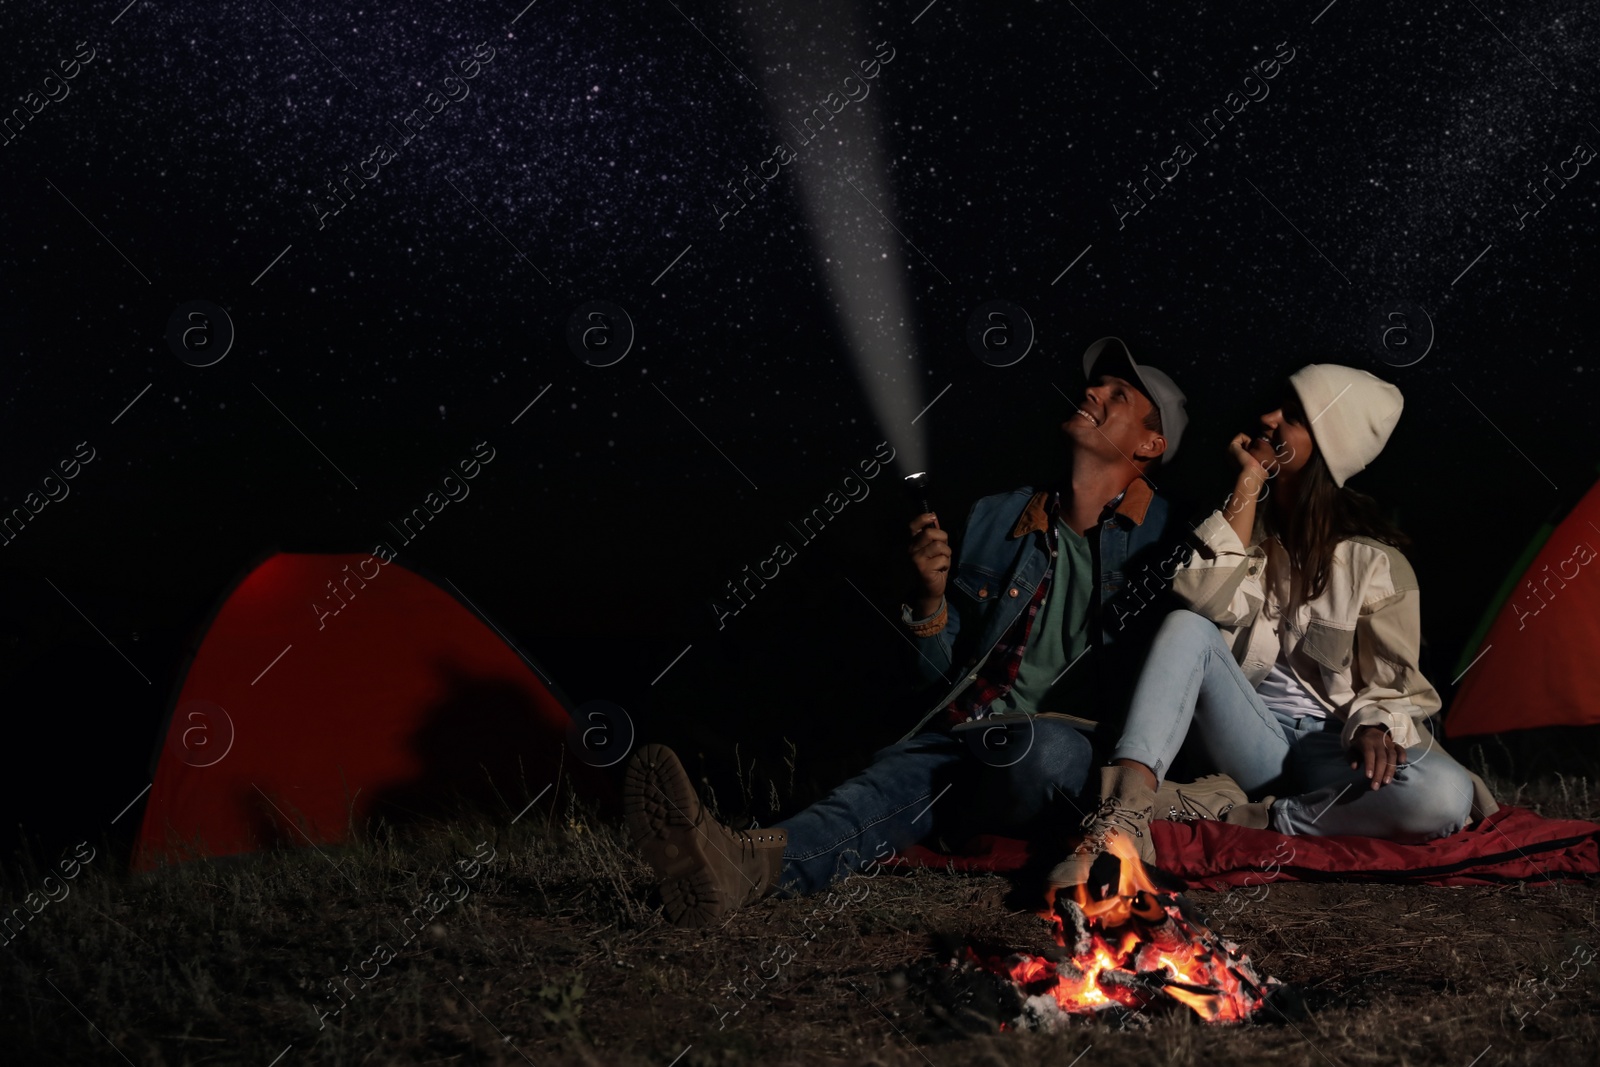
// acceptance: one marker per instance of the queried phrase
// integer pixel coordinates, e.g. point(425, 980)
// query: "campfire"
point(1135, 948)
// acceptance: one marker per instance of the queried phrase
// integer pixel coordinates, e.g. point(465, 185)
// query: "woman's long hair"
point(1320, 514)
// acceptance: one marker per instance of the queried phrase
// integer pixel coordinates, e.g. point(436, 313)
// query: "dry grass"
point(558, 956)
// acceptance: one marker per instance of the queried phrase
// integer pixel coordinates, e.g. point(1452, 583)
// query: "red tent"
point(330, 688)
point(1539, 663)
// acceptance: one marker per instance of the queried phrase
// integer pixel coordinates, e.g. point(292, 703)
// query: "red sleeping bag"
point(1512, 845)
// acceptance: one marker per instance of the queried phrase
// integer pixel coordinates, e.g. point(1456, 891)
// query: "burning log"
point(1075, 929)
point(1142, 985)
point(1148, 959)
point(1157, 926)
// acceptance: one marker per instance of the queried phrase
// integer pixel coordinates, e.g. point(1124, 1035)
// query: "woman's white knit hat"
point(1351, 414)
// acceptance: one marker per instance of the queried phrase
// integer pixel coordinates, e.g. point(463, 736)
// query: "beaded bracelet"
point(934, 624)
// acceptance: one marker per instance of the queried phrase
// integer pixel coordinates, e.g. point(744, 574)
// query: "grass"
point(556, 954)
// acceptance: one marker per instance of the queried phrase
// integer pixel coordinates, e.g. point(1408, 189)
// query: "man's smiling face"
point(1110, 421)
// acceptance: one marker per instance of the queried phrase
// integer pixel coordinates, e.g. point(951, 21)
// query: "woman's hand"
point(1240, 508)
point(1239, 449)
point(1376, 752)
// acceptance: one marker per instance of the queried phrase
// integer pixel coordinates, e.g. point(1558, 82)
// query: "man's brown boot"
point(1125, 807)
point(1210, 797)
point(706, 869)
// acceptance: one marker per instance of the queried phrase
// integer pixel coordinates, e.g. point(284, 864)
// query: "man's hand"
point(930, 556)
point(1376, 752)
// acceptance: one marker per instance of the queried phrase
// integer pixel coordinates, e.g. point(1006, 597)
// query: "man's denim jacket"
point(1003, 555)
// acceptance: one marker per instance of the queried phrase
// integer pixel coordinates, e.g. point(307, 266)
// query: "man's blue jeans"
point(1191, 683)
point(935, 785)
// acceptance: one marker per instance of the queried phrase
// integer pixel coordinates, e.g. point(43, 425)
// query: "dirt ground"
point(547, 948)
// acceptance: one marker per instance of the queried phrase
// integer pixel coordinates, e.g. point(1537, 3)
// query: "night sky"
point(1363, 157)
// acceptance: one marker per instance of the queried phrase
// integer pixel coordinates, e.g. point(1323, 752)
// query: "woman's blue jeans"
point(1191, 684)
point(938, 786)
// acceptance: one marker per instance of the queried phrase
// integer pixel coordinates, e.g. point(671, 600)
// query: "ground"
point(548, 948)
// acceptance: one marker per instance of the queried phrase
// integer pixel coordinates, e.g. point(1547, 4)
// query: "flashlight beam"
point(897, 229)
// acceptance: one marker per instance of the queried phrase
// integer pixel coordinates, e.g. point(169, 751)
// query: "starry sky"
point(509, 172)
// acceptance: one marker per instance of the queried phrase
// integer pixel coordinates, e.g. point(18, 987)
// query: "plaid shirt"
point(999, 674)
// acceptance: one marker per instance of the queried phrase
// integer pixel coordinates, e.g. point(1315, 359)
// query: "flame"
point(1113, 910)
point(1140, 948)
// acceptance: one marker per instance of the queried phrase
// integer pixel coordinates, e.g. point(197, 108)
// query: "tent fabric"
point(1539, 664)
point(1512, 845)
point(316, 700)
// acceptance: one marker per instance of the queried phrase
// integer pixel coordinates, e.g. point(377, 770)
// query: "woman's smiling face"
point(1284, 438)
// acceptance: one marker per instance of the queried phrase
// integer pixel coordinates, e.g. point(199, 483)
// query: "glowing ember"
point(1129, 950)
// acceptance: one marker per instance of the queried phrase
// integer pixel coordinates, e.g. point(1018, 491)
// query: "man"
point(1037, 623)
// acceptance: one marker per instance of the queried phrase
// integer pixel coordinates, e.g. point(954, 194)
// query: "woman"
point(1295, 662)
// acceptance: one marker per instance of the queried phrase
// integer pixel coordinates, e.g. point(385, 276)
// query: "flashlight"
point(917, 489)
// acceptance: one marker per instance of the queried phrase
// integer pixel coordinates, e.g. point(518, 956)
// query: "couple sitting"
point(1290, 664)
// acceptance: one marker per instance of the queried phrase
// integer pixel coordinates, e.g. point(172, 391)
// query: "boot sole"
point(661, 809)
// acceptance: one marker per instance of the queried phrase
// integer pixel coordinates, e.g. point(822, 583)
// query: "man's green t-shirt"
point(1054, 674)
